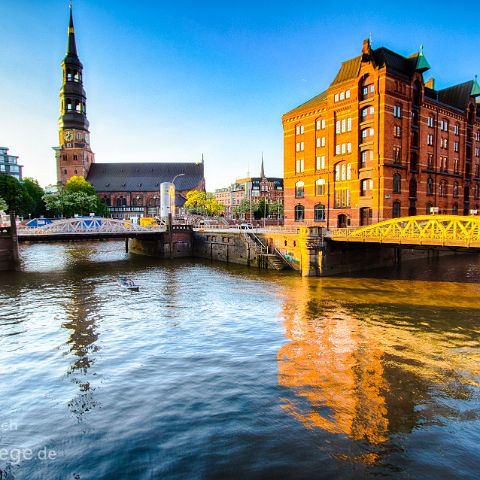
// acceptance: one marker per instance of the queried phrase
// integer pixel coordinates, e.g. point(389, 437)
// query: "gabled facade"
point(250, 188)
point(381, 142)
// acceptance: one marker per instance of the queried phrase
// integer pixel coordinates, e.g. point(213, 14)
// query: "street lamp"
point(172, 200)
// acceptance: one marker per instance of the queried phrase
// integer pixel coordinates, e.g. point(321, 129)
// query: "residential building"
point(250, 188)
point(9, 164)
point(382, 142)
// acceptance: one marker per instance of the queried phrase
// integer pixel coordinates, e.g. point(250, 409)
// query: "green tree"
point(195, 202)
point(276, 208)
point(79, 184)
point(243, 207)
point(53, 203)
point(213, 206)
point(36, 193)
point(203, 203)
point(77, 197)
point(260, 209)
point(3, 205)
point(15, 194)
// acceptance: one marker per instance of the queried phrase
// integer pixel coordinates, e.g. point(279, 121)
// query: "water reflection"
point(80, 310)
point(378, 367)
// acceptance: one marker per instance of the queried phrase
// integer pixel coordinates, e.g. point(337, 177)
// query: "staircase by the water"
point(267, 259)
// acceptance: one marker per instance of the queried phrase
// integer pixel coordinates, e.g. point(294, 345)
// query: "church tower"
point(74, 155)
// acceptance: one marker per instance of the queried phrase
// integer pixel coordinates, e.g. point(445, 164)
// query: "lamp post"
point(250, 201)
point(170, 219)
point(264, 211)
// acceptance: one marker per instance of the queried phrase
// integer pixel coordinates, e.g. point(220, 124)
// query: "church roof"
point(144, 177)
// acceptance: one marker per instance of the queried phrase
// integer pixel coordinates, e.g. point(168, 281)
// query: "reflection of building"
point(251, 188)
point(127, 188)
point(337, 368)
point(363, 363)
point(9, 164)
point(82, 342)
point(381, 142)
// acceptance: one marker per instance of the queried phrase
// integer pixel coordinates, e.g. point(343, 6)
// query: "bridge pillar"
point(9, 246)
point(178, 244)
point(310, 250)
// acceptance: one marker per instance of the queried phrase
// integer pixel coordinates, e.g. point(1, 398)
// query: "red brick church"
point(129, 189)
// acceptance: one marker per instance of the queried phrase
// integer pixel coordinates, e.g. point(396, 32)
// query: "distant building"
point(250, 188)
point(9, 164)
point(129, 189)
point(382, 142)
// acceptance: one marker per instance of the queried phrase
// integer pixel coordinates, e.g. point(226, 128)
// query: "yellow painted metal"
point(433, 230)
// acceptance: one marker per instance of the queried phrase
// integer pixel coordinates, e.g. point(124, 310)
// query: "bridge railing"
point(93, 226)
point(441, 230)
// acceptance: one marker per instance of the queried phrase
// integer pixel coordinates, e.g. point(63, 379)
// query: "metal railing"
point(434, 230)
point(85, 225)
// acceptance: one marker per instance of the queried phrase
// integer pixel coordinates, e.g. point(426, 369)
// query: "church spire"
point(72, 46)
point(262, 170)
point(74, 155)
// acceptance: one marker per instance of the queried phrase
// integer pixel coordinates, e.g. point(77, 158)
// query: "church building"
point(129, 189)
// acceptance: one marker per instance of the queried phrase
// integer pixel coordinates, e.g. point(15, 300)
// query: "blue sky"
point(168, 81)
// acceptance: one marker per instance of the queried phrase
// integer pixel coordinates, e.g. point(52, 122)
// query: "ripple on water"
point(212, 371)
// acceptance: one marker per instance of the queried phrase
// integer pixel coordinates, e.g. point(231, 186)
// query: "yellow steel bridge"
point(423, 230)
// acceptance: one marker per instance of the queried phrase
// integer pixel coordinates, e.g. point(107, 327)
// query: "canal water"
point(219, 372)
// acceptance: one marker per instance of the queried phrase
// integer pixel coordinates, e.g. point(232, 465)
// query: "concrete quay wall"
point(306, 250)
point(179, 247)
point(224, 247)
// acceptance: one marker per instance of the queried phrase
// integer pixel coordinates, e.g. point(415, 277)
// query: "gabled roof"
point(144, 177)
point(457, 96)
point(348, 70)
point(313, 102)
point(394, 62)
point(383, 57)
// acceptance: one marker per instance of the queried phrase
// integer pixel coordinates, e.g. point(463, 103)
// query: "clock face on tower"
point(68, 135)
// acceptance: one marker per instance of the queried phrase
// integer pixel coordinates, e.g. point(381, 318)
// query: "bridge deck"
point(87, 228)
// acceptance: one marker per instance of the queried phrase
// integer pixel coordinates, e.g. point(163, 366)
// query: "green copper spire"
point(422, 64)
point(475, 92)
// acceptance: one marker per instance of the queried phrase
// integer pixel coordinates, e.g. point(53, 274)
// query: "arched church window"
point(69, 75)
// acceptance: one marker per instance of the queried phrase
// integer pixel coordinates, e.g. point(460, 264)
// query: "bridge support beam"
point(339, 258)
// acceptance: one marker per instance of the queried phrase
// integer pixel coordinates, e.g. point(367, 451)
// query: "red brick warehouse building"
point(382, 142)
